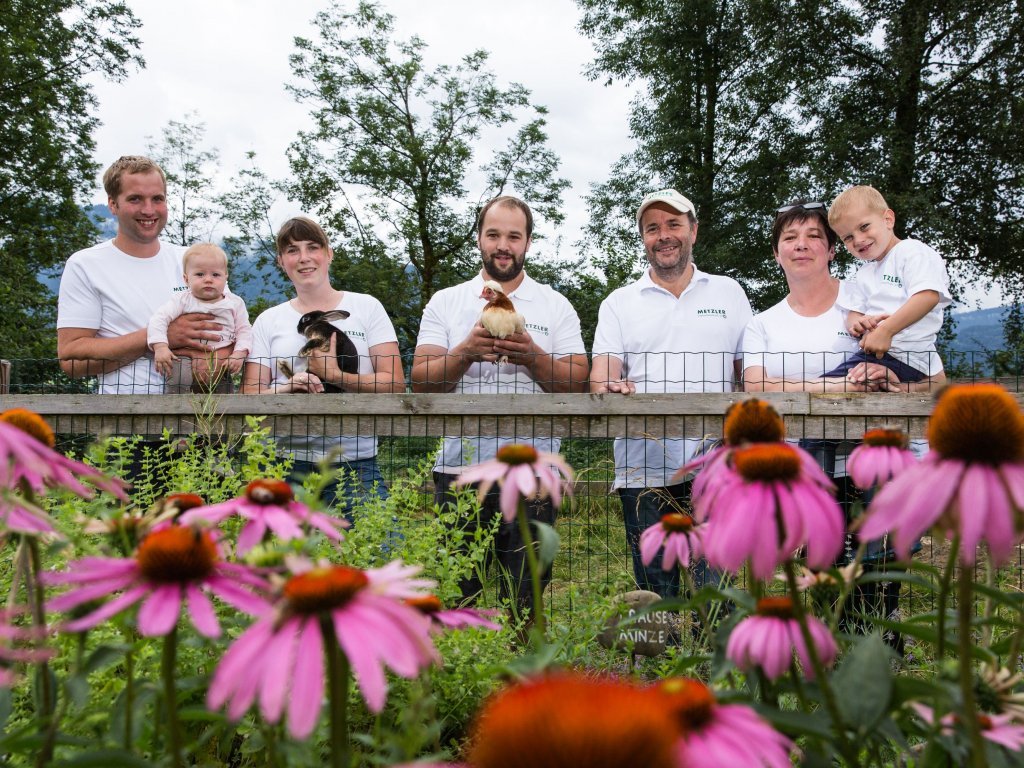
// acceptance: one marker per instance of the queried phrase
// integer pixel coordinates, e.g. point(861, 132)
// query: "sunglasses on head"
point(804, 206)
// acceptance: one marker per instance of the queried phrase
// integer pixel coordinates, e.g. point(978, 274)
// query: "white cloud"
point(227, 60)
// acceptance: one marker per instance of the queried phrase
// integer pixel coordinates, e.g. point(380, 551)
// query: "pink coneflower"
point(28, 463)
point(267, 505)
point(522, 472)
point(172, 565)
point(881, 457)
point(747, 421)
point(770, 638)
point(681, 537)
point(17, 645)
point(720, 734)
point(452, 618)
point(773, 501)
point(971, 483)
point(566, 719)
point(999, 729)
point(280, 658)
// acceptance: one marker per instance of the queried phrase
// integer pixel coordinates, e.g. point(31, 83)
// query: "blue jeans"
point(642, 508)
point(352, 483)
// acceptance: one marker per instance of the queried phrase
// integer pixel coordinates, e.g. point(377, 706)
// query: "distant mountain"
point(980, 330)
point(254, 283)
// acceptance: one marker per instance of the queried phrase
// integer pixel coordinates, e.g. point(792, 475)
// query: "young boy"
point(895, 302)
point(206, 273)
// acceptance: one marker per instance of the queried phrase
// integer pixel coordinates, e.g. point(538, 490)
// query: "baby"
point(206, 273)
point(895, 302)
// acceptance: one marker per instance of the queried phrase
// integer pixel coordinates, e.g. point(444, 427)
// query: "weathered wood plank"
point(834, 416)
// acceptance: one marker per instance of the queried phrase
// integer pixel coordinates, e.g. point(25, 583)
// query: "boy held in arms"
point(206, 274)
point(895, 302)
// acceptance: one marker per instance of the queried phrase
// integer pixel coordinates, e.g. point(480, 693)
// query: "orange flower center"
point(980, 423)
point(30, 423)
point(691, 701)
point(269, 492)
point(767, 462)
point(893, 438)
point(570, 720)
point(677, 522)
point(324, 589)
point(426, 604)
point(517, 454)
point(176, 555)
point(776, 607)
point(984, 722)
point(753, 421)
point(177, 503)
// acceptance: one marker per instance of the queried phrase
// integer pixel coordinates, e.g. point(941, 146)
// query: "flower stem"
point(846, 747)
point(129, 697)
point(168, 663)
point(34, 588)
point(537, 611)
point(965, 608)
point(947, 578)
point(337, 693)
point(847, 587)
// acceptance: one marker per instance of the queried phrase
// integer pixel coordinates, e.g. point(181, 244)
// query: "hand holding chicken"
point(501, 320)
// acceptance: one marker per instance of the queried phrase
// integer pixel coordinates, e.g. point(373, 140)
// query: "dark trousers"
point(905, 372)
point(509, 547)
point(644, 507)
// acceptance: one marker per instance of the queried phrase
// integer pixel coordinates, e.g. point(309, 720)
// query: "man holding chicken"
point(676, 329)
point(542, 351)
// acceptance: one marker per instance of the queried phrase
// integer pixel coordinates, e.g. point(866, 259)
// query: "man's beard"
point(503, 275)
point(671, 271)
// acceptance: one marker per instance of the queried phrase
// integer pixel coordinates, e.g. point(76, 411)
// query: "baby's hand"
point(165, 360)
point(234, 364)
point(877, 342)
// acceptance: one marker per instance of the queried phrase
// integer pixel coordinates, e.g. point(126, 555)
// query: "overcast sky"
point(227, 61)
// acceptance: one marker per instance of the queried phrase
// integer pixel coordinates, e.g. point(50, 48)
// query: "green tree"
point(193, 211)
point(49, 50)
point(930, 109)
point(722, 119)
point(392, 164)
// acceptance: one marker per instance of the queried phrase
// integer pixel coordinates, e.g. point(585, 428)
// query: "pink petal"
point(273, 686)
point(200, 609)
point(108, 609)
point(159, 613)
point(308, 681)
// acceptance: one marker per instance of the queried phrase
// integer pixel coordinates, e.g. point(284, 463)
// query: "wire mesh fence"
point(402, 431)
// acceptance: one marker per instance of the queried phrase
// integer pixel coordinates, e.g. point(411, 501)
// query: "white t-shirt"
point(275, 336)
point(774, 340)
point(882, 287)
point(667, 344)
point(105, 288)
point(448, 319)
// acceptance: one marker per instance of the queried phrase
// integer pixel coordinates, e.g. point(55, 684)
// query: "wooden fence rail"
point(835, 416)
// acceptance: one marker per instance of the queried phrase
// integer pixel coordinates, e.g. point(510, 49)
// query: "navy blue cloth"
point(905, 372)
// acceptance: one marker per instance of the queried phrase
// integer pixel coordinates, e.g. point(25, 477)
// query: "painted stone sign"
point(645, 636)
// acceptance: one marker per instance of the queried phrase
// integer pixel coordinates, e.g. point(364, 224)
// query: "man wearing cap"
point(676, 329)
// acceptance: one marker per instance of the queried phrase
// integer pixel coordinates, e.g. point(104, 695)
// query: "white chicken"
point(499, 318)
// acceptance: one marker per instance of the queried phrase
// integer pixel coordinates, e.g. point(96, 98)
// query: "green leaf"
point(105, 758)
point(549, 541)
point(104, 656)
point(864, 683)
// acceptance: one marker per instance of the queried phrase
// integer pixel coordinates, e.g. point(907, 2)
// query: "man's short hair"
point(300, 229)
point(795, 212)
point(860, 195)
point(130, 164)
point(507, 201)
point(198, 249)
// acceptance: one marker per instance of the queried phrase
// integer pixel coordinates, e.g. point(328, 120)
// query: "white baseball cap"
point(671, 198)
